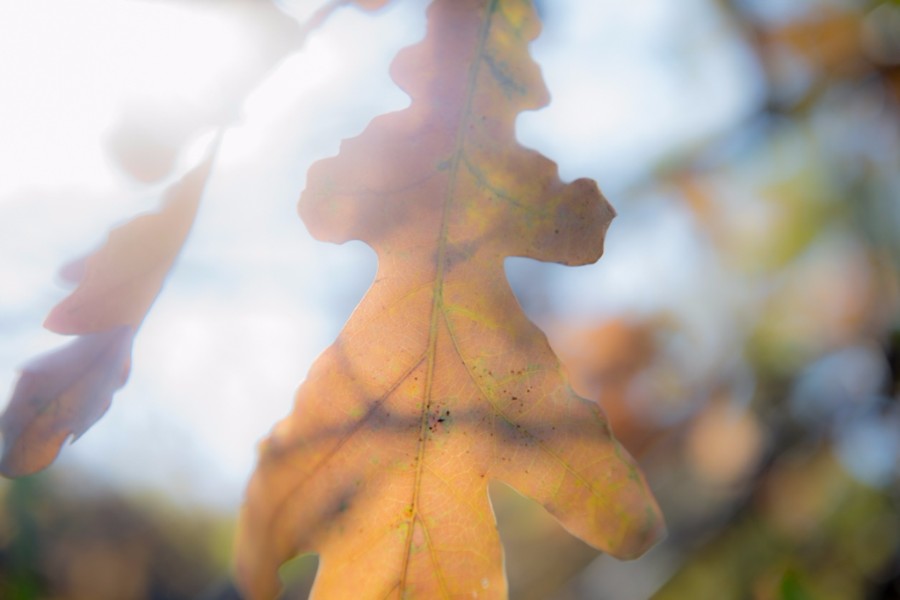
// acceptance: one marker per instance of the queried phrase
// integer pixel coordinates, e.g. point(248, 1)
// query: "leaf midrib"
point(437, 307)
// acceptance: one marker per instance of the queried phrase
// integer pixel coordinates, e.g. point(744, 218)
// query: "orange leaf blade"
point(439, 382)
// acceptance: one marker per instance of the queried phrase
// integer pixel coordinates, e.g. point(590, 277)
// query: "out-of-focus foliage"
point(60, 539)
point(806, 216)
point(65, 392)
point(809, 531)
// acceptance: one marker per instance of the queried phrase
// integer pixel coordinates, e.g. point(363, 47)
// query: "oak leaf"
point(439, 383)
point(65, 392)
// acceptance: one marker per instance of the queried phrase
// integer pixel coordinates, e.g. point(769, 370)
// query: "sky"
point(254, 299)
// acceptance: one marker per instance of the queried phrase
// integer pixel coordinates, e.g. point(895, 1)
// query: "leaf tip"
point(59, 396)
point(20, 460)
point(643, 535)
point(57, 322)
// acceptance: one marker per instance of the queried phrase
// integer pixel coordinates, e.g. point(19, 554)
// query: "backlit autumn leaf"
point(66, 391)
point(439, 383)
point(119, 282)
point(60, 395)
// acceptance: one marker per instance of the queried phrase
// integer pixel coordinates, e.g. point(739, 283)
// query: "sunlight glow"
point(67, 69)
point(281, 94)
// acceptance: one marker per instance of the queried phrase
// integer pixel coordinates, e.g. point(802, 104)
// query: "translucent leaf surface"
point(439, 383)
point(66, 391)
point(59, 395)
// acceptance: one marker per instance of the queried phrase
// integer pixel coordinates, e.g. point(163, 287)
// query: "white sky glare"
point(252, 301)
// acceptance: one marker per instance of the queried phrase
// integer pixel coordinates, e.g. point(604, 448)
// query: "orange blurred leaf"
point(439, 383)
point(65, 392)
point(371, 4)
point(60, 394)
point(119, 282)
point(605, 363)
point(830, 39)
